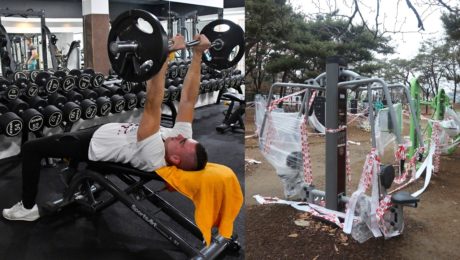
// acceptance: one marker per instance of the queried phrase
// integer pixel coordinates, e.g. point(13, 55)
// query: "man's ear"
point(174, 159)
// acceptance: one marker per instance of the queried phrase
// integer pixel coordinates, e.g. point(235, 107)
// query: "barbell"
point(138, 45)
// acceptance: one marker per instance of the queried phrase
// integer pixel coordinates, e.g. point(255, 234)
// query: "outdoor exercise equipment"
point(381, 212)
point(440, 104)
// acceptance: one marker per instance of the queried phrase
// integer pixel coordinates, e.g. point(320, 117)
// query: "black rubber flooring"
point(116, 232)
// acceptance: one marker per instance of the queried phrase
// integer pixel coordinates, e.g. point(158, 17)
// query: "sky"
point(394, 15)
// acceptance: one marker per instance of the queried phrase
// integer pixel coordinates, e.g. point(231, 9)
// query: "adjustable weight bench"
point(85, 186)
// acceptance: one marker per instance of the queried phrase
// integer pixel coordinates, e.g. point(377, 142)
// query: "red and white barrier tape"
point(307, 171)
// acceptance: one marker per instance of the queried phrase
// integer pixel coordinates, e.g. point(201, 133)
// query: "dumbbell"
point(139, 88)
point(178, 92)
point(32, 118)
point(8, 91)
point(210, 85)
point(118, 102)
point(183, 67)
point(203, 86)
point(49, 82)
point(173, 70)
point(10, 123)
point(27, 88)
point(67, 82)
point(88, 107)
point(104, 104)
point(125, 86)
point(113, 92)
point(177, 81)
point(174, 92)
point(97, 78)
point(83, 80)
point(71, 111)
point(53, 116)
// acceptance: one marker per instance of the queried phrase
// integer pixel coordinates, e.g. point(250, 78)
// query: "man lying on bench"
point(144, 146)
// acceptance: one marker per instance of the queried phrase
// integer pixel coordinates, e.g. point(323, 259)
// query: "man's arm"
point(151, 118)
point(192, 81)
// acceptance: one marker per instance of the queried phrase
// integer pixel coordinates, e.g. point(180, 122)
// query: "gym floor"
point(115, 233)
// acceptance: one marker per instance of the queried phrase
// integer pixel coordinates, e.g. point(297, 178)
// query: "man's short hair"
point(201, 156)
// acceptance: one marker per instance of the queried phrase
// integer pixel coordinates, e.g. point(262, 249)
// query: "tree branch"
point(448, 7)
point(420, 22)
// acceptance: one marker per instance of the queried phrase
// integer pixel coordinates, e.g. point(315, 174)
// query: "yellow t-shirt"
point(215, 192)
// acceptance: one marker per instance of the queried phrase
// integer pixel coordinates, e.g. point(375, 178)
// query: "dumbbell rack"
point(10, 146)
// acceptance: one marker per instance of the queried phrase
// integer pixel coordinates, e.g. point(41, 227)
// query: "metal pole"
point(332, 79)
point(44, 43)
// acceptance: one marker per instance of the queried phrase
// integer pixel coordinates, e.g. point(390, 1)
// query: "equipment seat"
point(404, 198)
point(121, 168)
point(233, 96)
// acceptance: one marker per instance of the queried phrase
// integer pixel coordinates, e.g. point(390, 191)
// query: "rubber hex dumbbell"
point(10, 123)
point(53, 116)
point(139, 89)
point(97, 79)
point(178, 92)
point(203, 86)
point(33, 119)
point(125, 86)
point(66, 82)
point(47, 81)
point(210, 85)
point(183, 67)
point(177, 81)
point(72, 112)
point(8, 91)
point(173, 70)
point(88, 107)
point(118, 102)
point(27, 88)
point(104, 105)
point(82, 81)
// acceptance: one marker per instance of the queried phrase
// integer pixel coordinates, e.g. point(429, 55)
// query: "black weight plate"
point(68, 83)
point(18, 105)
point(126, 86)
point(31, 90)
point(41, 78)
point(104, 106)
point(118, 103)
point(21, 82)
point(33, 120)
point(53, 116)
point(141, 99)
point(75, 72)
point(89, 109)
point(224, 57)
point(89, 71)
point(19, 75)
point(11, 124)
point(33, 75)
point(84, 81)
point(12, 92)
point(60, 74)
point(72, 112)
point(131, 101)
point(98, 79)
point(151, 45)
point(52, 85)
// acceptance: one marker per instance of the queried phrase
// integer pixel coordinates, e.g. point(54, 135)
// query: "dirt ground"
point(432, 230)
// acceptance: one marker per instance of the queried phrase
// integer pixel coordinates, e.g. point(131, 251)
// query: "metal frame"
point(27, 14)
point(335, 141)
point(93, 180)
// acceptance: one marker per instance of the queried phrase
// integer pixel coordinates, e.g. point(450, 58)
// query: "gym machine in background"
point(8, 64)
